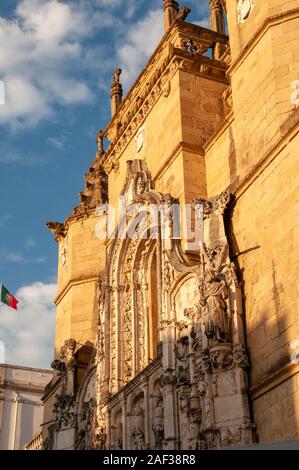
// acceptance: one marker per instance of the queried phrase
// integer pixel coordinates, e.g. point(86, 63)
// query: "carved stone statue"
point(85, 421)
point(194, 429)
point(119, 437)
point(117, 75)
point(67, 351)
point(181, 352)
point(158, 425)
point(100, 141)
point(138, 429)
point(213, 294)
point(183, 13)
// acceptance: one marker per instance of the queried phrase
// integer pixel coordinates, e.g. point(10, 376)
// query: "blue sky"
point(57, 59)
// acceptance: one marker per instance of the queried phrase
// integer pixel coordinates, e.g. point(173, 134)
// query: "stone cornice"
point(265, 26)
point(72, 283)
point(33, 369)
point(285, 373)
point(22, 386)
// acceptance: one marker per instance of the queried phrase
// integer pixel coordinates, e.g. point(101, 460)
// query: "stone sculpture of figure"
point(138, 429)
point(181, 351)
point(158, 425)
point(213, 295)
point(183, 13)
point(100, 141)
point(119, 437)
point(194, 429)
point(116, 76)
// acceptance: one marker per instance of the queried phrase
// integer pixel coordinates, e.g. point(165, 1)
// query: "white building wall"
point(21, 408)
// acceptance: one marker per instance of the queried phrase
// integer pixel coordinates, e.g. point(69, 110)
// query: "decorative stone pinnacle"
point(116, 92)
point(99, 141)
point(217, 16)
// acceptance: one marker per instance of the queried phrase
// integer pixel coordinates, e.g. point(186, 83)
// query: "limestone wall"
point(81, 260)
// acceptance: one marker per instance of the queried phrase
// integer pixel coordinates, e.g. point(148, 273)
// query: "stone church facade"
point(164, 341)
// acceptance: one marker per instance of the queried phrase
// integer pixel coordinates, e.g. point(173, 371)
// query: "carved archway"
point(199, 314)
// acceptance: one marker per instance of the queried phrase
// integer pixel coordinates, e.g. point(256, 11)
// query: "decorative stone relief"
point(140, 139)
point(244, 9)
point(63, 256)
point(64, 412)
point(137, 429)
point(182, 369)
point(158, 424)
point(203, 361)
point(85, 426)
point(165, 85)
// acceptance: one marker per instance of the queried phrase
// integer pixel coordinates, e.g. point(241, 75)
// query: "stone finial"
point(217, 16)
point(116, 92)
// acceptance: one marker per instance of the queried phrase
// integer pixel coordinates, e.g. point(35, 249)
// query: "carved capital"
point(215, 205)
point(238, 357)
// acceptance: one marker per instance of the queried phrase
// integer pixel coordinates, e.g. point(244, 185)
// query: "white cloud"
point(57, 142)
point(41, 260)
point(52, 20)
point(30, 243)
point(42, 44)
point(11, 156)
point(140, 43)
point(3, 219)
point(15, 258)
point(128, 6)
point(28, 334)
point(205, 22)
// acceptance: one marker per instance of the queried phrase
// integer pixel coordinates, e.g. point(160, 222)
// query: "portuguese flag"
point(7, 298)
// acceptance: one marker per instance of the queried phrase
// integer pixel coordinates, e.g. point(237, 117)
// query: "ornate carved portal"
point(170, 370)
point(201, 364)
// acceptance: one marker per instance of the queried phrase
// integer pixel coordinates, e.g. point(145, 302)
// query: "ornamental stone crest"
point(244, 8)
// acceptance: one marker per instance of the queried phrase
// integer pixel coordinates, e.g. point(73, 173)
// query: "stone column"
point(217, 17)
point(126, 432)
point(171, 9)
point(170, 410)
point(147, 429)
